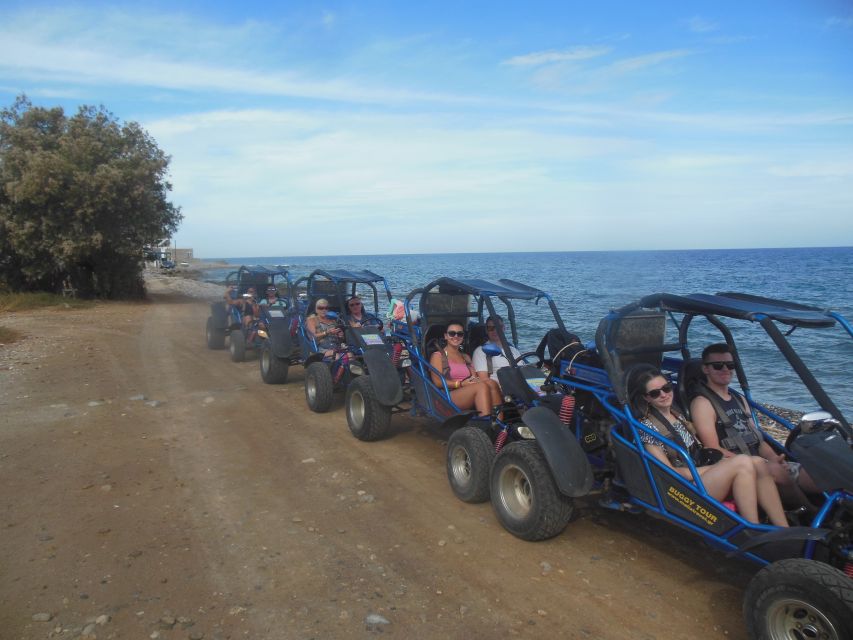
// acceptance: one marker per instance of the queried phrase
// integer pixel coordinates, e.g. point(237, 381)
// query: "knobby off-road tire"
point(319, 387)
point(367, 418)
point(524, 495)
point(798, 598)
point(237, 345)
point(215, 337)
point(273, 369)
point(470, 453)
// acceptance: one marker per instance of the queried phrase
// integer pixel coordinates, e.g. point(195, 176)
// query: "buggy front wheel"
point(469, 457)
point(215, 337)
point(524, 495)
point(319, 387)
point(367, 418)
point(237, 345)
point(796, 599)
point(273, 369)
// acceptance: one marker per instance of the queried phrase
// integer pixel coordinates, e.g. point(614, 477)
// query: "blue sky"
point(315, 128)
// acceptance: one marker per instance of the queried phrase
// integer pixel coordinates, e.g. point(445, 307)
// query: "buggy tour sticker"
point(372, 339)
point(275, 313)
point(697, 509)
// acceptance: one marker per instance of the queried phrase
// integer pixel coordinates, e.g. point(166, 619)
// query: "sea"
point(586, 285)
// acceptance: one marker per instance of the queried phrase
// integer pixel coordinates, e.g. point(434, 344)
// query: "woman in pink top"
point(467, 391)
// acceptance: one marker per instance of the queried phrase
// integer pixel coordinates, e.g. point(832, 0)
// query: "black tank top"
point(733, 408)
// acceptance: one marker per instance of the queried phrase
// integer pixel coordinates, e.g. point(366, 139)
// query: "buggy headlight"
point(525, 432)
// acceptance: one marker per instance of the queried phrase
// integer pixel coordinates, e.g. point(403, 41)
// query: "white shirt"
point(480, 361)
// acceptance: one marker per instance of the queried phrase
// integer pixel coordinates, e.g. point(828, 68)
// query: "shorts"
point(793, 470)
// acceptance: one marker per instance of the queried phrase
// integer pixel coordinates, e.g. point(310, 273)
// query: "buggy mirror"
point(492, 350)
point(817, 421)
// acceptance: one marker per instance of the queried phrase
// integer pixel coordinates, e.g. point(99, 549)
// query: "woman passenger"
point(735, 475)
point(324, 330)
point(467, 391)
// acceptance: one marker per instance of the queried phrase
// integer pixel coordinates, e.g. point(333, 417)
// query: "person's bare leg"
point(735, 475)
point(768, 498)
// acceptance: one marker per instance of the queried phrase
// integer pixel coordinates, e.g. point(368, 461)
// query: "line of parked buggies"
point(567, 428)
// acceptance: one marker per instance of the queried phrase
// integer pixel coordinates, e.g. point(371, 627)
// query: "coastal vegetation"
point(79, 197)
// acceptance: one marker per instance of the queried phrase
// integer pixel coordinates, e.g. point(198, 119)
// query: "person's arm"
point(311, 326)
point(480, 364)
point(705, 420)
point(435, 362)
point(658, 453)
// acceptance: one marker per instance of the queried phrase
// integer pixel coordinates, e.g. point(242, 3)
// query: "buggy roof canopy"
point(741, 306)
point(346, 275)
point(258, 269)
point(503, 288)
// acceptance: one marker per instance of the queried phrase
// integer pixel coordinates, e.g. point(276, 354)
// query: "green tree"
point(79, 197)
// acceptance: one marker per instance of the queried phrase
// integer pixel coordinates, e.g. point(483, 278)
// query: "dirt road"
point(151, 488)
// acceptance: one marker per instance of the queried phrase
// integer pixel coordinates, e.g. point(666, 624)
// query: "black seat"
point(689, 378)
point(477, 336)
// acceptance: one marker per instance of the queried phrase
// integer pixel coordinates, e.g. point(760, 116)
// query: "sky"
point(365, 127)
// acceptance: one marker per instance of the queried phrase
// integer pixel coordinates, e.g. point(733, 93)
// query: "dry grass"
point(27, 301)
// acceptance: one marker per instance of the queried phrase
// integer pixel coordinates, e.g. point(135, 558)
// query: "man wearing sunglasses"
point(723, 421)
point(487, 366)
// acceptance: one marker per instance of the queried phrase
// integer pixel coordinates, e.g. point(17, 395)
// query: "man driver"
point(737, 432)
point(487, 366)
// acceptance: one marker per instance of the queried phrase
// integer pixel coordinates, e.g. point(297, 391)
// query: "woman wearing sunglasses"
point(323, 329)
point(735, 475)
point(467, 391)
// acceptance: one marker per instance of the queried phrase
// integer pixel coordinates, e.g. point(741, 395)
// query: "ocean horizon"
point(585, 285)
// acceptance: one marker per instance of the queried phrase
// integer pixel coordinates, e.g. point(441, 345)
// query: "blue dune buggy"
point(475, 439)
point(805, 589)
point(226, 319)
point(366, 352)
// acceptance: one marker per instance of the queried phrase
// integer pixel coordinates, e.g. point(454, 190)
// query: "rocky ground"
point(151, 488)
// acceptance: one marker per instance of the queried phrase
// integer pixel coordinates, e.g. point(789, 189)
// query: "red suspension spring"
point(395, 354)
point(342, 365)
point(501, 440)
point(567, 410)
point(848, 569)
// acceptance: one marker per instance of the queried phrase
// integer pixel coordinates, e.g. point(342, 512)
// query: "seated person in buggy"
point(487, 366)
point(740, 435)
point(467, 390)
point(272, 300)
point(358, 316)
point(652, 396)
point(323, 329)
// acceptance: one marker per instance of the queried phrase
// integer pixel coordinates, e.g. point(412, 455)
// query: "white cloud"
point(629, 65)
point(698, 24)
point(548, 57)
point(839, 22)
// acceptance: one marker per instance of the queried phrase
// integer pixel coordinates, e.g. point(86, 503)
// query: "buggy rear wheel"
point(469, 458)
point(319, 387)
point(215, 337)
point(524, 495)
point(799, 599)
point(237, 345)
point(367, 418)
point(273, 369)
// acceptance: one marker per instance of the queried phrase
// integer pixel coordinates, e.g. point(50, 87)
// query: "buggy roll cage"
point(738, 306)
point(338, 284)
point(437, 300)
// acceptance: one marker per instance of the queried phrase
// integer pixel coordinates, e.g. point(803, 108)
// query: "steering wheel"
point(372, 321)
point(528, 354)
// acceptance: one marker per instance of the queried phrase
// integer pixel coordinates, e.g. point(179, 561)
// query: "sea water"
point(586, 285)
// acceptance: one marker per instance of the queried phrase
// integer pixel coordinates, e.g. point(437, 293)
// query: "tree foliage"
point(79, 197)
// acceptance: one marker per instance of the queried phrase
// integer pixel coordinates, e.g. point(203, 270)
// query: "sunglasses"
point(490, 327)
point(322, 308)
point(654, 393)
point(354, 304)
point(718, 366)
point(456, 334)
